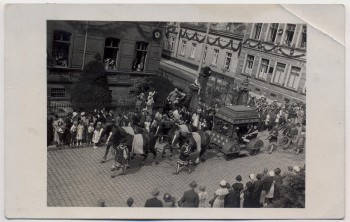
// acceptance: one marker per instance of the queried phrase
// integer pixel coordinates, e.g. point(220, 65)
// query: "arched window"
point(140, 56)
point(60, 48)
point(111, 53)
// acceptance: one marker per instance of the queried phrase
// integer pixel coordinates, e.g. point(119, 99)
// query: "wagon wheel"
point(256, 147)
point(229, 156)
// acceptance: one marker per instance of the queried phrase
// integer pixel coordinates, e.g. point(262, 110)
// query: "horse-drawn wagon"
point(235, 131)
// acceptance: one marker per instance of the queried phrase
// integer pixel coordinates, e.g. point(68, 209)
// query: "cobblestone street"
point(77, 178)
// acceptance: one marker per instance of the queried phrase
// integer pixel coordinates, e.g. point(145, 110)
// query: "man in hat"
point(154, 202)
point(121, 158)
point(190, 198)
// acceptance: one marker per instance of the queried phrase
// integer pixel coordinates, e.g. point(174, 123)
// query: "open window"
point(111, 53)
point(288, 38)
point(140, 56)
point(303, 37)
point(60, 48)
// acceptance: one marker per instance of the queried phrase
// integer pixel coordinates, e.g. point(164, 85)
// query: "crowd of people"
point(284, 122)
point(261, 190)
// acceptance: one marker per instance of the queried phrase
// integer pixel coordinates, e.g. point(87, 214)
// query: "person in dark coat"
point(154, 202)
point(230, 198)
point(258, 185)
point(190, 198)
point(248, 192)
point(68, 122)
point(237, 187)
point(49, 129)
point(267, 193)
point(278, 183)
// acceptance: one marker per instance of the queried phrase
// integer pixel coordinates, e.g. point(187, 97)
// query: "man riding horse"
point(195, 144)
point(141, 143)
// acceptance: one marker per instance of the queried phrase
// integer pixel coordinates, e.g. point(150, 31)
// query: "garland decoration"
point(265, 46)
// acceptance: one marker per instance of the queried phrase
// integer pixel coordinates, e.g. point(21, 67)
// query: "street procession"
point(189, 102)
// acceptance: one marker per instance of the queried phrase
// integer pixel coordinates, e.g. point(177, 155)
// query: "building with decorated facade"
point(273, 57)
point(183, 50)
point(128, 50)
point(270, 56)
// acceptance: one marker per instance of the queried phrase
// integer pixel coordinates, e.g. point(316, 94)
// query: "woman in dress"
point(237, 187)
point(219, 195)
point(203, 196)
point(58, 126)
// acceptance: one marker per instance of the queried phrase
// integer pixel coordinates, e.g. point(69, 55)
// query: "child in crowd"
point(97, 134)
point(73, 131)
point(80, 133)
point(90, 133)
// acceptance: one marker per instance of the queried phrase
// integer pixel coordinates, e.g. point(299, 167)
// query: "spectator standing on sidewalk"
point(154, 201)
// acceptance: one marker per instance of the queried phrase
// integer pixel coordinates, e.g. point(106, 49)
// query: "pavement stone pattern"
point(77, 178)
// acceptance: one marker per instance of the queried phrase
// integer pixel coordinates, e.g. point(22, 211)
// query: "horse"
point(138, 143)
point(195, 144)
point(176, 136)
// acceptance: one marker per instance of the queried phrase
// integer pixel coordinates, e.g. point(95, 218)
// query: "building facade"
point(129, 51)
point(273, 57)
point(185, 42)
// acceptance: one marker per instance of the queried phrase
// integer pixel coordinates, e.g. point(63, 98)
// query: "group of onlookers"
point(284, 122)
point(260, 190)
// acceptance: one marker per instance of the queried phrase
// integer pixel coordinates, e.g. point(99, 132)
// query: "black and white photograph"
point(176, 114)
point(147, 111)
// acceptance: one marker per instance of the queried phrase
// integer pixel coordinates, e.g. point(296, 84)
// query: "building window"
point(183, 47)
point(279, 73)
point(60, 48)
point(172, 44)
point(58, 92)
point(140, 56)
point(193, 50)
point(272, 32)
point(205, 54)
point(293, 77)
point(257, 30)
point(215, 57)
point(289, 34)
point(264, 67)
point(249, 65)
point(111, 53)
point(303, 37)
point(228, 59)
